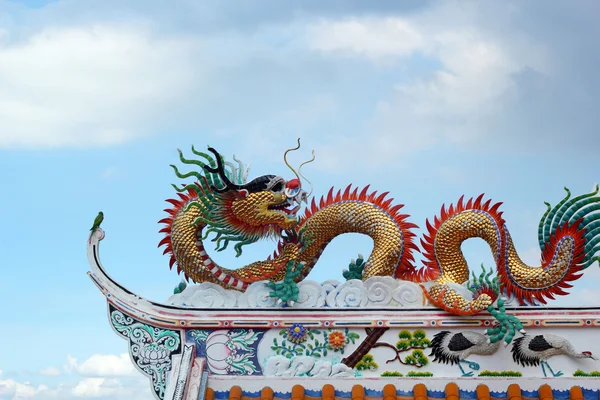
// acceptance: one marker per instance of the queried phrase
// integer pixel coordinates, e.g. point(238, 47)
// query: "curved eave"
point(167, 316)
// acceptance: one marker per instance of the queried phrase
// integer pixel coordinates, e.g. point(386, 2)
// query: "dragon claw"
point(507, 324)
point(355, 269)
point(287, 290)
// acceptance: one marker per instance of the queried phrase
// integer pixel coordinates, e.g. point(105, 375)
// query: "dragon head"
point(237, 210)
point(268, 203)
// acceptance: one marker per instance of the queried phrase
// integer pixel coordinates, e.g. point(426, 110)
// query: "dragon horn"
point(300, 172)
point(286, 161)
point(220, 169)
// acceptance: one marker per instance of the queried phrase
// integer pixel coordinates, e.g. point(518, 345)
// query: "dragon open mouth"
point(284, 208)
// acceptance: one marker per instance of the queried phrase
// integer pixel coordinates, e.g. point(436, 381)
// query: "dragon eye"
point(292, 192)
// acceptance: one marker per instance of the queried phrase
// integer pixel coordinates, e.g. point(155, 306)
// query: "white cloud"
point(98, 387)
point(475, 69)
point(476, 73)
point(52, 371)
point(71, 364)
point(471, 76)
point(102, 365)
point(87, 85)
point(371, 37)
point(95, 83)
point(377, 150)
point(105, 376)
point(86, 388)
point(11, 389)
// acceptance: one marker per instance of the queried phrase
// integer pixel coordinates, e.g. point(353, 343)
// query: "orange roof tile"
point(419, 392)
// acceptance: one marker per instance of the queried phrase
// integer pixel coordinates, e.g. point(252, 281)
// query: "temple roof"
point(418, 392)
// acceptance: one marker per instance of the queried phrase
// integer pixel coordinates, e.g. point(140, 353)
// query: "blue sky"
point(427, 100)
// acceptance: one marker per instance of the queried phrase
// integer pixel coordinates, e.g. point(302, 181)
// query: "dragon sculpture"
point(222, 202)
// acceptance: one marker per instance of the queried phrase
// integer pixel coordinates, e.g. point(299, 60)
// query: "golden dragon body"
point(223, 203)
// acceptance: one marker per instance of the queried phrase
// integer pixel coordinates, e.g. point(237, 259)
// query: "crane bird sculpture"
point(536, 350)
point(221, 201)
point(454, 348)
